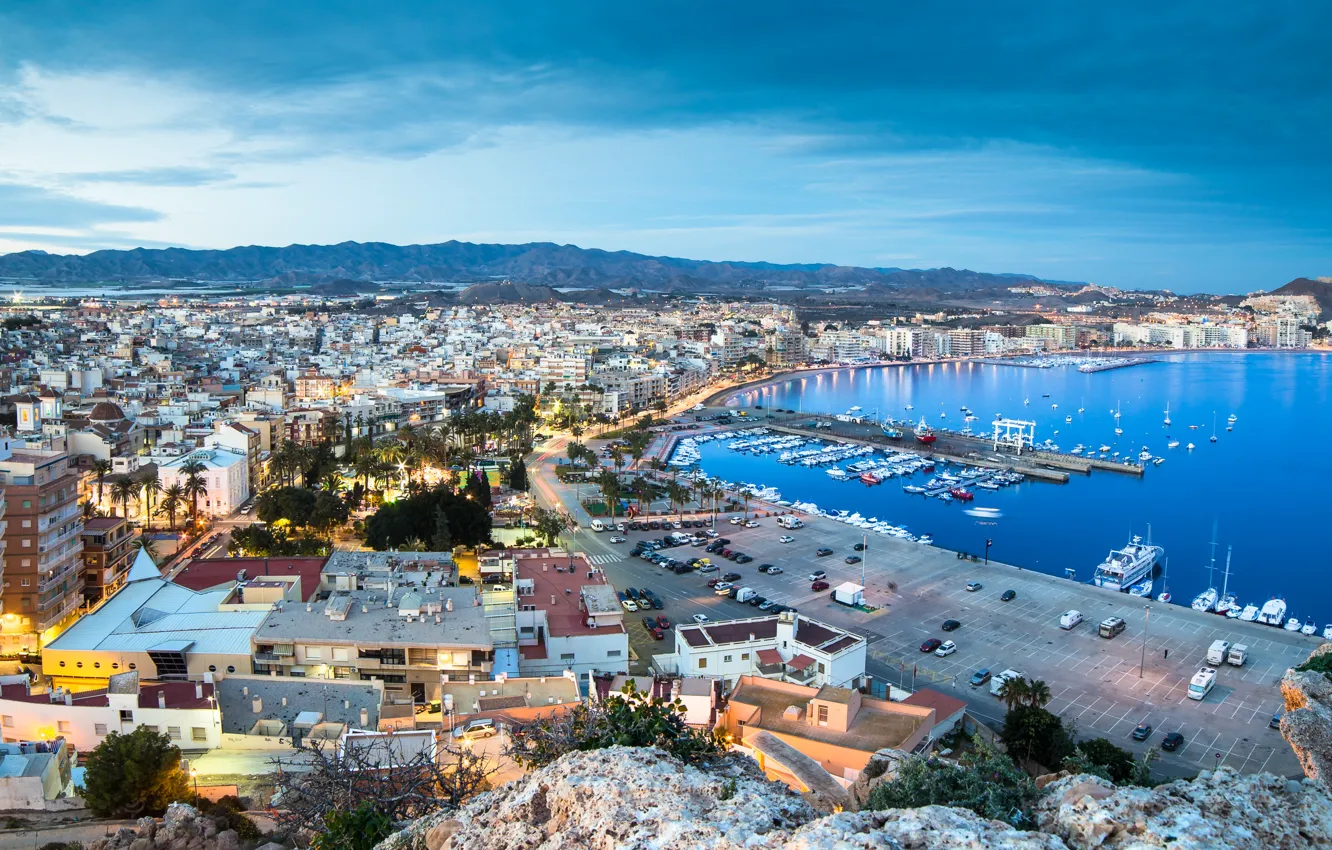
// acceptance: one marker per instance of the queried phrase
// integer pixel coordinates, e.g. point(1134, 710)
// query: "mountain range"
point(537, 265)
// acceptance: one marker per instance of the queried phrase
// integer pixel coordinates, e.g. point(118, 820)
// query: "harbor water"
point(1261, 484)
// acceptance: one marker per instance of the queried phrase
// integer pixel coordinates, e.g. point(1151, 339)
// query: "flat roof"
point(338, 700)
point(203, 573)
point(562, 593)
point(464, 626)
point(524, 692)
point(875, 726)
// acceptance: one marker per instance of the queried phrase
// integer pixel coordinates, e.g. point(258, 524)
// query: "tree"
point(414, 517)
point(442, 539)
point(678, 494)
point(1116, 762)
point(1014, 692)
point(293, 504)
point(1034, 733)
point(609, 483)
point(122, 490)
point(518, 475)
point(983, 780)
point(152, 486)
point(549, 525)
point(195, 486)
point(127, 776)
point(173, 499)
point(747, 493)
point(1038, 693)
point(478, 486)
point(328, 512)
point(101, 468)
point(631, 718)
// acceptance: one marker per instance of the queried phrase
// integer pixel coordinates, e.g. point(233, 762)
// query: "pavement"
point(1095, 682)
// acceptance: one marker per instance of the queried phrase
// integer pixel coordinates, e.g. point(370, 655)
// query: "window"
point(27, 523)
point(702, 663)
point(340, 653)
point(199, 733)
point(7, 720)
point(173, 732)
point(62, 726)
point(126, 715)
point(27, 503)
point(133, 666)
point(566, 656)
point(823, 715)
point(613, 653)
point(99, 729)
point(822, 669)
point(23, 582)
point(231, 669)
point(97, 665)
point(726, 659)
point(744, 656)
point(212, 668)
point(26, 543)
point(115, 665)
point(314, 653)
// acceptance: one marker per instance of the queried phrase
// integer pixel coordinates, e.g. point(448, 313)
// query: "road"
point(1095, 682)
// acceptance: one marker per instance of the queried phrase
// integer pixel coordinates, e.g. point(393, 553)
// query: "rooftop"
point(203, 573)
point(494, 695)
point(877, 724)
point(944, 706)
point(337, 700)
point(373, 616)
point(562, 592)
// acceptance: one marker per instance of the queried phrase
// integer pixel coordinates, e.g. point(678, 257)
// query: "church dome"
point(105, 411)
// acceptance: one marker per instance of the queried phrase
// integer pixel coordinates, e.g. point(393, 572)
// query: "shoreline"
point(719, 397)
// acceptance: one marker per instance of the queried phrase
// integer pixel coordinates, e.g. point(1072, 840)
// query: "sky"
point(1178, 145)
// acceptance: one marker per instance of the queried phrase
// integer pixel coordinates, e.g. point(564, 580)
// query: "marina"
point(1178, 481)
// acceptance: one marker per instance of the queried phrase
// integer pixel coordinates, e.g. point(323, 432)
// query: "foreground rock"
point(1307, 724)
point(182, 828)
point(1215, 811)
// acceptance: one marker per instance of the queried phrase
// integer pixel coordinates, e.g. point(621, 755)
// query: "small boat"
point(1227, 603)
point(1232, 418)
point(1103, 449)
point(1054, 407)
point(870, 478)
point(1213, 437)
point(837, 473)
point(961, 493)
point(1164, 596)
point(1142, 588)
point(1327, 632)
point(1250, 613)
point(1119, 432)
point(943, 415)
point(944, 497)
point(1190, 447)
point(1234, 613)
point(1068, 420)
point(1167, 416)
point(892, 433)
point(1026, 401)
point(1293, 624)
point(1145, 454)
point(910, 407)
point(912, 488)
point(1206, 600)
point(1309, 628)
point(1173, 444)
point(1158, 461)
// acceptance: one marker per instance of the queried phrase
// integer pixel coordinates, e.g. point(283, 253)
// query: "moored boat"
point(1125, 567)
point(1293, 624)
point(1273, 612)
point(1250, 613)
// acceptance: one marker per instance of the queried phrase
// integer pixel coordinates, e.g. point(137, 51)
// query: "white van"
point(597, 525)
point(1070, 619)
point(997, 682)
point(745, 594)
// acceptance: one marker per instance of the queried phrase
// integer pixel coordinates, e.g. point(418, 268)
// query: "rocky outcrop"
point(182, 828)
point(1215, 811)
point(643, 798)
point(1307, 724)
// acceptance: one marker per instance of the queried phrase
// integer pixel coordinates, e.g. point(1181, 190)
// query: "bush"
point(630, 718)
point(983, 780)
point(414, 518)
point(1034, 733)
point(359, 829)
point(1116, 763)
point(133, 775)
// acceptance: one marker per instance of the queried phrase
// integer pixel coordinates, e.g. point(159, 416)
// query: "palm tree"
point(146, 544)
point(152, 486)
point(364, 466)
point(1038, 693)
point(609, 483)
point(677, 494)
point(101, 468)
point(334, 482)
point(642, 489)
point(1014, 692)
point(746, 493)
point(173, 497)
point(195, 486)
point(122, 490)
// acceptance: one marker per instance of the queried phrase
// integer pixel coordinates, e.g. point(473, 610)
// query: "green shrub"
point(359, 829)
point(134, 775)
point(983, 780)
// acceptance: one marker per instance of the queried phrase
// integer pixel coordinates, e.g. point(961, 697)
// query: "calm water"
point(1263, 484)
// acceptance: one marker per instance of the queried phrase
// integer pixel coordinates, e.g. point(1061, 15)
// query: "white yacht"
point(1125, 567)
point(1227, 600)
point(1327, 632)
point(1235, 612)
point(1293, 624)
point(1173, 444)
point(837, 473)
point(1273, 613)
point(1309, 628)
point(1167, 416)
point(1206, 600)
point(1250, 613)
point(1190, 447)
point(1142, 588)
point(1232, 418)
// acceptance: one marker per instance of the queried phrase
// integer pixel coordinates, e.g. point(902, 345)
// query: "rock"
point(1307, 724)
point(141, 844)
point(438, 836)
point(881, 768)
point(228, 840)
point(1046, 778)
point(147, 827)
point(927, 828)
point(272, 845)
point(1218, 812)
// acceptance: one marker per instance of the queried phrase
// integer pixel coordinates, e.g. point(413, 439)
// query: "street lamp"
point(1143, 661)
point(988, 544)
point(194, 774)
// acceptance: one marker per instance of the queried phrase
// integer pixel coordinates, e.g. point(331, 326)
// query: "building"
point(226, 475)
point(106, 556)
point(506, 700)
point(43, 544)
point(949, 712)
point(786, 647)
point(1282, 332)
point(212, 573)
point(155, 627)
point(568, 616)
point(34, 773)
point(839, 728)
point(187, 712)
point(296, 710)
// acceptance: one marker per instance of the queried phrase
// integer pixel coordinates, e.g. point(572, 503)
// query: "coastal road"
point(1095, 682)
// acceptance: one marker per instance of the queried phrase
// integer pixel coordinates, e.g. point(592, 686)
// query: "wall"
point(591, 653)
point(40, 721)
point(236, 741)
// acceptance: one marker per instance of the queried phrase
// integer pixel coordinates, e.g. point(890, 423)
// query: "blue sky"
point(1164, 145)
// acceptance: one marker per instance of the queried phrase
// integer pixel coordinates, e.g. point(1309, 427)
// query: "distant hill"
point(537, 264)
point(1321, 290)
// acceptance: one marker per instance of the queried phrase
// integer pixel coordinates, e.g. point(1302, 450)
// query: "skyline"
point(1185, 154)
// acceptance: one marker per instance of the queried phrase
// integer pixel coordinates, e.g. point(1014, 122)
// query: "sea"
point(1258, 495)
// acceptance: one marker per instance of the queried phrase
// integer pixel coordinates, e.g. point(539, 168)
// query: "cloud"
point(35, 207)
point(185, 176)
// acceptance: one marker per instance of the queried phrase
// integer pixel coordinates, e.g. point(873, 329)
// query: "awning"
point(800, 662)
point(769, 656)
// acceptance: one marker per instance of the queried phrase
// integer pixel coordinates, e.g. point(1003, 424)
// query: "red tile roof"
point(800, 662)
point(769, 656)
point(944, 706)
point(203, 573)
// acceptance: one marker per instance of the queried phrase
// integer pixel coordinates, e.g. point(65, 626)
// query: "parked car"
point(980, 677)
point(931, 645)
point(946, 649)
point(1172, 741)
point(710, 533)
point(770, 569)
point(709, 568)
point(819, 585)
point(1008, 596)
point(753, 523)
point(786, 538)
point(823, 551)
point(629, 605)
point(662, 622)
point(767, 605)
point(649, 623)
point(973, 586)
point(617, 539)
point(852, 559)
point(731, 577)
point(1142, 732)
point(817, 574)
point(722, 587)
point(950, 625)
point(474, 729)
point(859, 547)
point(756, 600)
point(743, 558)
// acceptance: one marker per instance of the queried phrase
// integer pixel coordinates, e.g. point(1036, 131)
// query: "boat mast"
point(1226, 584)
point(1211, 568)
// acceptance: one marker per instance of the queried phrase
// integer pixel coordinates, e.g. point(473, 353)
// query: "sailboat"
point(1164, 595)
point(1227, 600)
point(1118, 430)
point(1206, 600)
point(1167, 417)
point(1231, 419)
point(1213, 437)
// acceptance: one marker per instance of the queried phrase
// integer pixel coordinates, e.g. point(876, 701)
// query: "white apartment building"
point(226, 475)
point(186, 712)
point(1282, 332)
point(787, 647)
point(1181, 336)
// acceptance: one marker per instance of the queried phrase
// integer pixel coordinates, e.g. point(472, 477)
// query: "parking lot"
point(1095, 682)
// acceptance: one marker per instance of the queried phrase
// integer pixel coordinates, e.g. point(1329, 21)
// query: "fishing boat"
point(1309, 628)
point(962, 494)
point(1273, 612)
point(1125, 567)
point(891, 433)
point(1167, 416)
point(1250, 613)
point(924, 434)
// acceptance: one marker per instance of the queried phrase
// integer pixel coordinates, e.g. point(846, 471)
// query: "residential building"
point(1282, 332)
point(106, 556)
point(294, 711)
point(34, 774)
point(186, 712)
point(785, 647)
point(43, 544)
point(568, 616)
point(226, 476)
point(839, 728)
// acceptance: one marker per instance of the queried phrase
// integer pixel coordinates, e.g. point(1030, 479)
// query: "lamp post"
point(988, 544)
point(1147, 622)
point(194, 774)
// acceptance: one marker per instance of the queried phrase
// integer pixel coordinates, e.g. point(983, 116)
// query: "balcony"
point(56, 518)
point(53, 618)
point(53, 560)
point(50, 545)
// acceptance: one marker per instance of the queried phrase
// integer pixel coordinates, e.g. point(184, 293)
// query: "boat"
point(1167, 416)
point(1227, 600)
point(1142, 588)
point(1190, 447)
point(1145, 454)
point(923, 433)
point(913, 488)
point(1103, 449)
point(891, 433)
point(1054, 407)
point(870, 478)
point(1212, 439)
point(961, 493)
point(1173, 444)
point(1327, 632)
point(1026, 401)
point(1293, 624)
point(1158, 460)
point(1125, 567)
point(837, 473)
point(1068, 420)
point(910, 407)
point(1164, 595)
point(1309, 628)
point(1231, 418)
point(1234, 612)
point(1250, 613)
point(1273, 612)
point(1206, 601)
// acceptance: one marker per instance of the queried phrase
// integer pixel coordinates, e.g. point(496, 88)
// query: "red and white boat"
point(870, 478)
point(962, 493)
point(923, 433)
